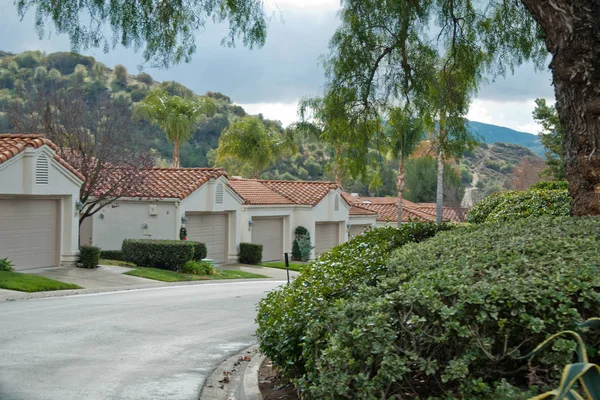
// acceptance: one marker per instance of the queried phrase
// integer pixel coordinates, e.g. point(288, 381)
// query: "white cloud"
point(284, 112)
point(320, 5)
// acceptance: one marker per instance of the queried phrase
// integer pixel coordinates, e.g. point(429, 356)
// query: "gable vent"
point(219, 194)
point(41, 170)
point(336, 206)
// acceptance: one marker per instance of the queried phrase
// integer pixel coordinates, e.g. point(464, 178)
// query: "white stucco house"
point(39, 193)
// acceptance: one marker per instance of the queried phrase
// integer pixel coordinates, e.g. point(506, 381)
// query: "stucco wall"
point(288, 214)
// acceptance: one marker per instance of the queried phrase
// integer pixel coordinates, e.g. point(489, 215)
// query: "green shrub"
point(452, 316)
point(285, 315)
point(510, 205)
point(250, 253)
point(200, 251)
point(112, 255)
point(296, 255)
point(163, 254)
point(551, 185)
point(305, 247)
point(197, 268)
point(300, 231)
point(89, 256)
point(6, 265)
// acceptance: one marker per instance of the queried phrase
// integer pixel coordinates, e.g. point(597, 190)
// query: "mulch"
point(272, 386)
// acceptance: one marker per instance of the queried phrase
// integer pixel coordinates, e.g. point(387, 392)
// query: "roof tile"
point(265, 192)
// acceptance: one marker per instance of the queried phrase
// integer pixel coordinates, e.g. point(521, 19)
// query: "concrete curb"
point(235, 378)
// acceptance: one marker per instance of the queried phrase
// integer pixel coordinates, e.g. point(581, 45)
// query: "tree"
point(252, 142)
point(166, 30)
point(551, 137)
point(175, 115)
point(421, 181)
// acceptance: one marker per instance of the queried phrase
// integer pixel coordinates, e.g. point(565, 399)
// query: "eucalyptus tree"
point(175, 115)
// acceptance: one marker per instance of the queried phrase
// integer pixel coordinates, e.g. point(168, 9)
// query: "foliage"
point(583, 372)
point(250, 253)
point(174, 276)
point(304, 247)
point(504, 206)
point(296, 255)
point(421, 181)
point(551, 137)
point(300, 231)
point(162, 254)
point(551, 185)
point(285, 316)
point(450, 316)
point(200, 251)
point(6, 265)
point(112, 255)
point(197, 268)
point(31, 283)
point(89, 256)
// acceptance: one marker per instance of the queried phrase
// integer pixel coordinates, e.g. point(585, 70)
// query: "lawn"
point(294, 266)
point(31, 283)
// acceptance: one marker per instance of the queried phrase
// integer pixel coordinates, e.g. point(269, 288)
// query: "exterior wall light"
point(348, 225)
point(78, 205)
point(183, 220)
point(250, 223)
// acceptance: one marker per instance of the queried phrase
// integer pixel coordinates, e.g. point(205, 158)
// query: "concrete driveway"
point(155, 343)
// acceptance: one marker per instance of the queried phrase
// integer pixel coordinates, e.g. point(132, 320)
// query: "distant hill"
point(493, 133)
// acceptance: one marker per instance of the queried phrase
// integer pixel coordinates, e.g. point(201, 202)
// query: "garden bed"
point(272, 386)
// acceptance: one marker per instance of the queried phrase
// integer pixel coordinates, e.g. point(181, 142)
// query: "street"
point(157, 343)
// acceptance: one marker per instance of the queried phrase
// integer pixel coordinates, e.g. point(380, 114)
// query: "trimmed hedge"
point(511, 205)
point(250, 253)
point(89, 256)
point(164, 254)
point(285, 315)
point(112, 255)
point(199, 251)
point(448, 318)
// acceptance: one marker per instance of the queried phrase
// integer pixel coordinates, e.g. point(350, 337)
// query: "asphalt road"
point(158, 343)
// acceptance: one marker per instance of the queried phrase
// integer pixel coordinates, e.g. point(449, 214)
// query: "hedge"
point(89, 256)
point(199, 251)
point(163, 254)
point(450, 317)
point(112, 255)
point(285, 315)
point(250, 253)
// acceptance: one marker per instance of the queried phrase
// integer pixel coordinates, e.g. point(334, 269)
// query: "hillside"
point(489, 134)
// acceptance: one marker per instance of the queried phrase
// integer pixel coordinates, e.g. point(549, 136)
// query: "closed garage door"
point(28, 232)
point(210, 229)
point(356, 230)
point(269, 233)
point(327, 236)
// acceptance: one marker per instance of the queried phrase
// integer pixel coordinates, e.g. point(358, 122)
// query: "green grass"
point(172, 276)
point(31, 283)
point(294, 266)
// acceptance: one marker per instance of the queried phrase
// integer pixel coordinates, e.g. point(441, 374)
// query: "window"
point(336, 206)
point(219, 194)
point(41, 170)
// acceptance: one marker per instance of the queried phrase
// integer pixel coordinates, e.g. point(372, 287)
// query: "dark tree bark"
point(572, 36)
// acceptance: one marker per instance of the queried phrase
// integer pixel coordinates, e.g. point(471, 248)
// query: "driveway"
point(154, 343)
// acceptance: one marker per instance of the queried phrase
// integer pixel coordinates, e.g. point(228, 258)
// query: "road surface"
point(157, 343)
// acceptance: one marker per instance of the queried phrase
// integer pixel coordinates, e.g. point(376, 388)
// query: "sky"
point(272, 79)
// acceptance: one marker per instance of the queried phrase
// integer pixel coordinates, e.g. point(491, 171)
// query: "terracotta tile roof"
point(12, 144)
point(387, 208)
point(256, 193)
point(169, 183)
point(355, 210)
point(454, 214)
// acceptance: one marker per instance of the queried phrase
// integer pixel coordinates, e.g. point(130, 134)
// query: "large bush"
point(510, 205)
point(200, 251)
point(164, 254)
point(453, 314)
point(112, 255)
point(89, 256)
point(250, 253)
point(285, 316)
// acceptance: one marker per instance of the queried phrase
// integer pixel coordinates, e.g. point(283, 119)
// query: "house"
point(39, 199)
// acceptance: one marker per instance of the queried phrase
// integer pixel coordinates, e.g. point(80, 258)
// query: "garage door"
point(327, 236)
point(356, 230)
point(210, 229)
point(269, 233)
point(28, 232)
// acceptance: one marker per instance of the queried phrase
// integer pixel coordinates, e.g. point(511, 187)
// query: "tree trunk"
point(572, 36)
point(400, 183)
point(439, 203)
point(175, 163)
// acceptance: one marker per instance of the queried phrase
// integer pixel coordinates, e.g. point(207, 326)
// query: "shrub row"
point(112, 255)
point(164, 254)
point(89, 256)
point(445, 319)
point(286, 316)
point(250, 253)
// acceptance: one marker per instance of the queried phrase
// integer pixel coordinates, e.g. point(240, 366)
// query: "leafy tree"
point(175, 115)
point(253, 142)
point(145, 78)
point(551, 137)
point(421, 181)
point(120, 76)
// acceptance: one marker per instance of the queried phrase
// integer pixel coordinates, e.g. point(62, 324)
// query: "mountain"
point(490, 134)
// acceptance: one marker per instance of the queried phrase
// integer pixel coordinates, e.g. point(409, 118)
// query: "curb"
point(236, 378)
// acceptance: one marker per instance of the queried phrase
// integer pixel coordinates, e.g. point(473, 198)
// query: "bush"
point(296, 255)
point(250, 253)
point(514, 204)
point(453, 314)
point(112, 255)
point(6, 265)
point(285, 315)
point(305, 247)
point(300, 231)
point(164, 254)
point(199, 251)
point(89, 256)
point(197, 268)
point(551, 185)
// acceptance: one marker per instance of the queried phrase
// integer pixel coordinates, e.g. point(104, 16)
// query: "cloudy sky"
point(270, 80)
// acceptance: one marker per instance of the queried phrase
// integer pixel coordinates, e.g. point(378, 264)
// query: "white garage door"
point(210, 229)
point(269, 233)
point(28, 232)
point(327, 236)
point(356, 230)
